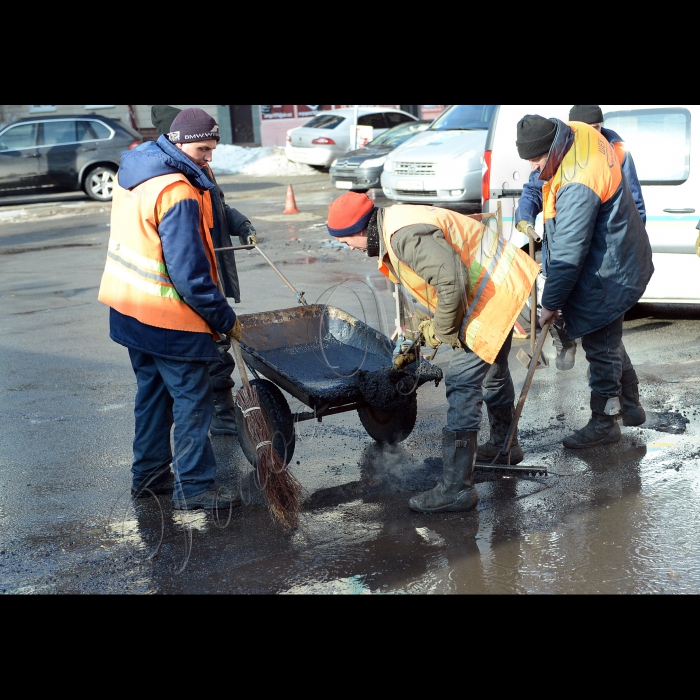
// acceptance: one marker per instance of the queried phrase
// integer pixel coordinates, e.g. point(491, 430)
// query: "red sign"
point(277, 111)
point(311, 110)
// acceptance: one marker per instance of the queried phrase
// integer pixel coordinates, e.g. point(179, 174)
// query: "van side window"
point(659, 141)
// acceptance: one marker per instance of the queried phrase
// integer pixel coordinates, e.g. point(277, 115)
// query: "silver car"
point(443, 164)
point(327, 136)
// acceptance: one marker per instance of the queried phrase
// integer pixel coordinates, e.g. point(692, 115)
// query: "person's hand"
point(251, 237)
point(235, 331)
point(427, 328)
point(403, 359)
point(522, 226)
point(546, 314)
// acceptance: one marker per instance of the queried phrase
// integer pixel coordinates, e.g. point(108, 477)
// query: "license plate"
point(344, 184)
point(410, 185)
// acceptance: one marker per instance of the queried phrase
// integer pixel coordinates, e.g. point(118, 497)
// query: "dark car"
point(361, 170)
point(63, 153)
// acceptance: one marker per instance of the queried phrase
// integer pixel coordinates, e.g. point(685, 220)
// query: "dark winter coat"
point(184, 255)
point(599, 256)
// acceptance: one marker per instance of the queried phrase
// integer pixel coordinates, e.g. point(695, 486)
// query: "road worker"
point(598, 261)
point(228, 222)
point(530, 206)
point(475, 284)
point(160, 282)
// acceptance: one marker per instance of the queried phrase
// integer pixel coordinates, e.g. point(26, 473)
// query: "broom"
point(281, 489)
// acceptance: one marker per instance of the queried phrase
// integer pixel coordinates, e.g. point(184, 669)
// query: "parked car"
point(361, 169)
point(443, 164)
point(63, 153)
point(667, 160)
point(327, 136)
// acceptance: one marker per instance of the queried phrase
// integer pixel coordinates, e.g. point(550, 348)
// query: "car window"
point(58, 132)
point(398, 134)
point(659, 141)
point(325, 121)
point(20, 136)
point(374, 120)
point(465, 118)
point(89, 130)
point(397, 118)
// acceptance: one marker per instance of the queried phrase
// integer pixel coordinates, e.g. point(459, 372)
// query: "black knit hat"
point(535, 136)
point(193, 124)
point(162, 117)
point(589, 114)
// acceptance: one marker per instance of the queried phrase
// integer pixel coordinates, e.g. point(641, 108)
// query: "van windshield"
point(464, 118)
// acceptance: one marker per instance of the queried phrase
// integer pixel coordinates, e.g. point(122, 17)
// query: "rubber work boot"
point(566, 348)
point(632, 412)
point(213, 499)
point(159, 483)
point(224, 419)
point(500, 420)
point(602, 428)
point(455, 491)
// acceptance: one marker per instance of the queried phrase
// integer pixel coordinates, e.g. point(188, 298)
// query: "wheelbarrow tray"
point(322, 355)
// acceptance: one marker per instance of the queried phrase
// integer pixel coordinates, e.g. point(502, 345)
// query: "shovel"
point(510, 436)
point(523, 357)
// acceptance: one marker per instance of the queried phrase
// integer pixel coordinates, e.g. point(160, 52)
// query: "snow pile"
point(270, 160)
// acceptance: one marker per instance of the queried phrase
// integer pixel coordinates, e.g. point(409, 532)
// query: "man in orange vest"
point(160, 282)
point(475, 284)
point(598, 261)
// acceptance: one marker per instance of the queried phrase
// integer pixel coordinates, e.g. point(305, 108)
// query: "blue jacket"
point(530, 204)
point(184, 256)
point(598, 252)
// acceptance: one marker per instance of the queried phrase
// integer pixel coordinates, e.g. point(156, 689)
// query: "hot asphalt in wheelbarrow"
point(325, 357)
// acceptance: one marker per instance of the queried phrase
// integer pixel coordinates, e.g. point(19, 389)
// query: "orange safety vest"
point(500, 274)
point(135, 280)
point(591, 161)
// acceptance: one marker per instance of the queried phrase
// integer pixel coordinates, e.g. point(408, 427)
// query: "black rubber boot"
point(566, 348)
point(455, 491)
point(214, 499)
point(632, 412)
point(499, 422)
point(602, 428)
point(224, 419)
point(158, 483)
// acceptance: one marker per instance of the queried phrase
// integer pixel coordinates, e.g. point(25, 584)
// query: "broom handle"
point(239, 361)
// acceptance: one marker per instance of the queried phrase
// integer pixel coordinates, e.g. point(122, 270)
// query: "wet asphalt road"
point(619, 519)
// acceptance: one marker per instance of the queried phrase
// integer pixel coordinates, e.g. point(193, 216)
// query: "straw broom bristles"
point(280, 488)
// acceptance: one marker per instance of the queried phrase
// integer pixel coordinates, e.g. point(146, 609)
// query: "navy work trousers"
point(173, 391)
point(220, 372)
point(469, 381)
point(607, 358)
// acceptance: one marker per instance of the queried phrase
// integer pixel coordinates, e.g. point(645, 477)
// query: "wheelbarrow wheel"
point(389, 426)
point(279, 421)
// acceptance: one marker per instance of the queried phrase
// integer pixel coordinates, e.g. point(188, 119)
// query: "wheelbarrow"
point(332, 363)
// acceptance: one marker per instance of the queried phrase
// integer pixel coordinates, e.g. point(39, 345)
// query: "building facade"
point(243, 125)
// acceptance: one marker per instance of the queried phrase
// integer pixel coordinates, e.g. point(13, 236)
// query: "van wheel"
point(278, 421)
point(99, 183)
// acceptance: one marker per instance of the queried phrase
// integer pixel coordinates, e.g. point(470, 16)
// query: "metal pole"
point(353, 139)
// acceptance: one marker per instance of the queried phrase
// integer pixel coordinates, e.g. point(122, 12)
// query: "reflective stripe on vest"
point(500, 275)
point(135, 280)
point(590, 161)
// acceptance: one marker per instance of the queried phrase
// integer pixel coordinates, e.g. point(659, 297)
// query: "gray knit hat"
point(193, 124)
point(589, 114)
point(535, 136)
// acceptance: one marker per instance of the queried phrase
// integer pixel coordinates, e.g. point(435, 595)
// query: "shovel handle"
point(526, 387)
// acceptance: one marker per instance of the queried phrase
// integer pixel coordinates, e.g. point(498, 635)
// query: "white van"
point(659, 139)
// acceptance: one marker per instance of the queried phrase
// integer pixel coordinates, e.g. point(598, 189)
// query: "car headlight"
point(374, 162)
point(334, 162)
point(389, 166)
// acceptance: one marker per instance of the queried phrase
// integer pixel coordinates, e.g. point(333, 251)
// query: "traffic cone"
point(291, 205)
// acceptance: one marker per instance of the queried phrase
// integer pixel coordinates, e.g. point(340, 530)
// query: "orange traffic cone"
point(291, 205)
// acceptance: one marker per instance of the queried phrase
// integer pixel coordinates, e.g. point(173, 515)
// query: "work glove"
point(250, 236)
point(404, 359)
point(235, 331)
point(427, 328)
